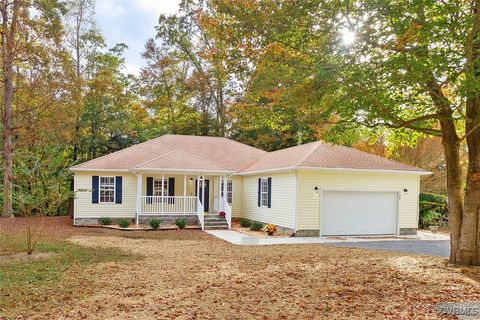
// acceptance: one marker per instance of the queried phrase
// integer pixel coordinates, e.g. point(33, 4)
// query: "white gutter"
point(98, 170)
point(153, 170)
point(334, 170)
point(232, 173)
point(167, 170)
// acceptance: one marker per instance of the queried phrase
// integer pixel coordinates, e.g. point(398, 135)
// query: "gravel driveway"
point(439, 248)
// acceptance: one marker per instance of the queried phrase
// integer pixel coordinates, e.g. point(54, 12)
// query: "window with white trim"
point(229, 191)
point(157, 187)
point(264, 192)
point(107, 189)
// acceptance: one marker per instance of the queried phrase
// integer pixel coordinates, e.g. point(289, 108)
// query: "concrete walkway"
point(423, 242)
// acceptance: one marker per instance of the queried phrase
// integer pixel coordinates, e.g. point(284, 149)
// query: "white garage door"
point(357, 213)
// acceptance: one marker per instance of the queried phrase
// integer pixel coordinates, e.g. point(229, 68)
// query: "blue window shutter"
point(94, 189)
point(259, 191)
point(149, 186)
point(118, 189)
point(269, 192)
point(149, 189)
point(171, 189)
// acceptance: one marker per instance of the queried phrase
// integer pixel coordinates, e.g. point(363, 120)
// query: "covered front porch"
point(193, 196)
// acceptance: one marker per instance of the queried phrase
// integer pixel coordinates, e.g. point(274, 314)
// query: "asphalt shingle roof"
point(221, 154)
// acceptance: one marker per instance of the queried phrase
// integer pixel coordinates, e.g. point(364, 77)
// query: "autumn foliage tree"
point(404, 65)
point(32, 58)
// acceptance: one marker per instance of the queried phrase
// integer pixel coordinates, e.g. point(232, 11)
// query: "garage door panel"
point(356, 213)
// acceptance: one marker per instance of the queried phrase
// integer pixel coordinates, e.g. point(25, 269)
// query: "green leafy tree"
point(186, 36)
point(166, 91)
point(397, 64)
point(109, 107)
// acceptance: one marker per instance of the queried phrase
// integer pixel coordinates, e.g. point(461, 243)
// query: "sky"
point(131, 22)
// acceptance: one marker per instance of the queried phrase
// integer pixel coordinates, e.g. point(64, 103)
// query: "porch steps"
point(214, 221)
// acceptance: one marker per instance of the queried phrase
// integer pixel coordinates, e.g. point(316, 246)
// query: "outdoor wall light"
point(405, 191)
point(315, 189)
point(191, 181)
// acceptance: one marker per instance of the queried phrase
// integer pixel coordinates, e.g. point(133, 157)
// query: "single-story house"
point(314, 189)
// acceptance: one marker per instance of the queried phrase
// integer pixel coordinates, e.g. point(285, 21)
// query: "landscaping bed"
point(261, 233)
point(139, 228)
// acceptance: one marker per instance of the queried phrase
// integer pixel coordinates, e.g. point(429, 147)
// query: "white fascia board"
point(334, 170)
point(249, 173)
point(169, 170)
point(98, 170)
point(366, 170)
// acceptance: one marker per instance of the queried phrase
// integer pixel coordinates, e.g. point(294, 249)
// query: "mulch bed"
point(139, 228)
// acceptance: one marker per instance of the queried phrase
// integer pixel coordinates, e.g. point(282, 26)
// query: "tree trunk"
point(469, 244)
point(451, 147)
point(8, 38)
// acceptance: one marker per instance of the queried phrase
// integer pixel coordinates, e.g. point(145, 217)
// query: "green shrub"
point(432, 218)
point(154, 223)
point(256, 226)
point(245, 223)
point(433, 210)
point(181, 223)
point(105, 221)
point(123, 223)
point(432, 197)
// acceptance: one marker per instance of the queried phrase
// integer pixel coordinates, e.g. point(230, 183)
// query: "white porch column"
point(203, 192)
point(220, 201)
point(225, 188)
point(139, 197)
point(162, 203)
point(198, 189)
point(184, 193)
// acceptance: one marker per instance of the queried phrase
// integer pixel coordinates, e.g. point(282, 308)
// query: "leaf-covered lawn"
point(188, 275)
point(30, 287)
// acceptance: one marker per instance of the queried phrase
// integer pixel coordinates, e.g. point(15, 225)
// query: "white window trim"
point(114, 190)
point(165, 181)
point(262, 192)
point(231, 191)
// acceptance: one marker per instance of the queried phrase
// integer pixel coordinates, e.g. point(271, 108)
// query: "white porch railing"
point(200, 213)
point(228, 212)
point(157, 205)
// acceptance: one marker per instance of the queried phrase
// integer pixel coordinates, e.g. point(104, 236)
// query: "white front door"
point(358, 213)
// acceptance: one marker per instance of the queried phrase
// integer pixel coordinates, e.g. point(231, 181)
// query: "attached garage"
point(358, 213)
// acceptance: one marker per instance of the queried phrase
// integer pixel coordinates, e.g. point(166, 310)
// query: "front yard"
point(187, 274)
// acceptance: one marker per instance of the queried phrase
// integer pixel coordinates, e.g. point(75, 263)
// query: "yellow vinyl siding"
point(236, 196)
point(308, 216)
point(84, 208)
point(282, 211)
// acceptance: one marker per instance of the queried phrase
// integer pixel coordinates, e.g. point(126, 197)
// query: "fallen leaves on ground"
point(190, 275)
